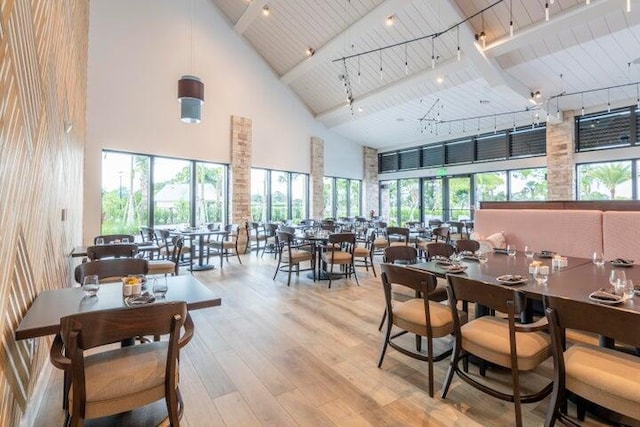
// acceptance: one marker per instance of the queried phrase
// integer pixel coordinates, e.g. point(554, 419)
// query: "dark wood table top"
point(43, 317)
point(576, 281)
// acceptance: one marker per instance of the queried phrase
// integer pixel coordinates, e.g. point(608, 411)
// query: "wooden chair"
point(111, 270)
point(363, 252)
point(441, 233)
point(270, 242)
point(114, 238)
point(290, 254)
point(148, 236)
point(466, 245)
point(123, 250)
point(600, 375)
point(227, 242)
point(456, 230)
point(121, 379)
point(170, 265)
point(500, 341)
point(438, 249)
point(343, 257)
point(398, 236)
point(166, 242)
point(434, 223)
point(400, 255)
point(417, 315)
point(256, 235)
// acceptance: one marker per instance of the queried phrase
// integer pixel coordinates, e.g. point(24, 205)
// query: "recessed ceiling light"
point(310, 51)
point(360, 109)
point(440, 79)
point(484, 101)
point(389, 20)
point(265, 10)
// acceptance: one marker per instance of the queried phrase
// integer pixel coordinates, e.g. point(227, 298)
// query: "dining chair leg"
point(430, 357)
point(555, 403)
point(330, 276)
point(418, 343)
point(238, 256)
point(289, 275)
point(451, 370)
point(373, 267)
point(353, 269)
point(385, 343)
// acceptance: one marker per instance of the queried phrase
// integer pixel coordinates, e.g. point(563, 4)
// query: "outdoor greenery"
point(603, 181)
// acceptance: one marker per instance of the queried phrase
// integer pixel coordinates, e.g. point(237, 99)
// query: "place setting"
point(621, 290)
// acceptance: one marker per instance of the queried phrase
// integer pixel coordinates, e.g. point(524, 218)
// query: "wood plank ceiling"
point(580, 48)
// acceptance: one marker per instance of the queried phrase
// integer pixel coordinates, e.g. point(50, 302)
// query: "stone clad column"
point(560, 158)
point(316, 178)
point(240, 174)
point(370, 181)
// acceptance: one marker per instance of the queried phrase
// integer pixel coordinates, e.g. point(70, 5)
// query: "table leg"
point(201, 266)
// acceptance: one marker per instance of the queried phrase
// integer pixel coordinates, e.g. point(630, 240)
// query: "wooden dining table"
point(43, 316)
point(576, 281)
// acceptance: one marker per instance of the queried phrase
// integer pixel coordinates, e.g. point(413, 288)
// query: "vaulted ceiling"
point(400, 97)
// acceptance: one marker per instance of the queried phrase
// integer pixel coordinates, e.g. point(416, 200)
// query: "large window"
point(432, 199)
point(490, 186)
point(279, 196)
point(341, 197)
point(354, 198)
point(528, 184)
point(259, 195)
point(171, 192)
point(409, 200)
point(607, 129)
point(299, 191)
point(327, 194)
point(342, 201)
point(459, 198)
point(392, 187)
point(605, 181)
point(210, 190)
point(125, 192)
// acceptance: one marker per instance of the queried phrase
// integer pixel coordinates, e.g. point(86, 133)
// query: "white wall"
point(137, 52)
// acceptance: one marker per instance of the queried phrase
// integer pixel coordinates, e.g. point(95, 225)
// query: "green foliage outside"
point(601, 182)
point(534, 181)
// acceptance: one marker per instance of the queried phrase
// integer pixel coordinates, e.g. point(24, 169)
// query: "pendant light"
point(190, 89)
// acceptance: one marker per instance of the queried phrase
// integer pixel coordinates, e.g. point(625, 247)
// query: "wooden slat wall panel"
point(43, 62)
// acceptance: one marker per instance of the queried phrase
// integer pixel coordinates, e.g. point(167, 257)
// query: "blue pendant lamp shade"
point(191, 98)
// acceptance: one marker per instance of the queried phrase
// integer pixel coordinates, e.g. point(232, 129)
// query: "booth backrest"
point(576, 233)
point(621, 231)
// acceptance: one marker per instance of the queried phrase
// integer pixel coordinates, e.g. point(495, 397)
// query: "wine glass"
point(598, 259)
point(528, 251)
point(511, 250)
point(541, 274)
point(99, 241)
point(90, 285)
point(627, 289)
point(616, 276)
point(160, 287)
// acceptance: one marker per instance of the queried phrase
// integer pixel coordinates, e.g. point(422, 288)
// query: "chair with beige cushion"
point(117, 380)
point(290, 254)
point(438, 249)
point(604, 376)
point(500, 341)
point(226, 243)
point(341, 253)
point(417, 315)
point(256, 236)
point(111, 270)
point(171, 265)
point(363, 252)
point(398, 236)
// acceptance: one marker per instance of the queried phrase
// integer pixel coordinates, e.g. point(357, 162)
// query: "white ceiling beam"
point(337, 115)
point(488, 67)
point(334, 47)
point(249, 15)
point(580, 14)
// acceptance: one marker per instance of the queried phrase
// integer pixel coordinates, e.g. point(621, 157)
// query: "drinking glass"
point(541, 274)
point(90, 285)
point(528, 251)
point(160, 287)
point(99, 241)
point(627, 289)
point(616, 276)
point(511, 250)
point(598, 259)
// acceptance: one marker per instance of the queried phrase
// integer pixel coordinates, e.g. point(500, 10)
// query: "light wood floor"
point(305, 355)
